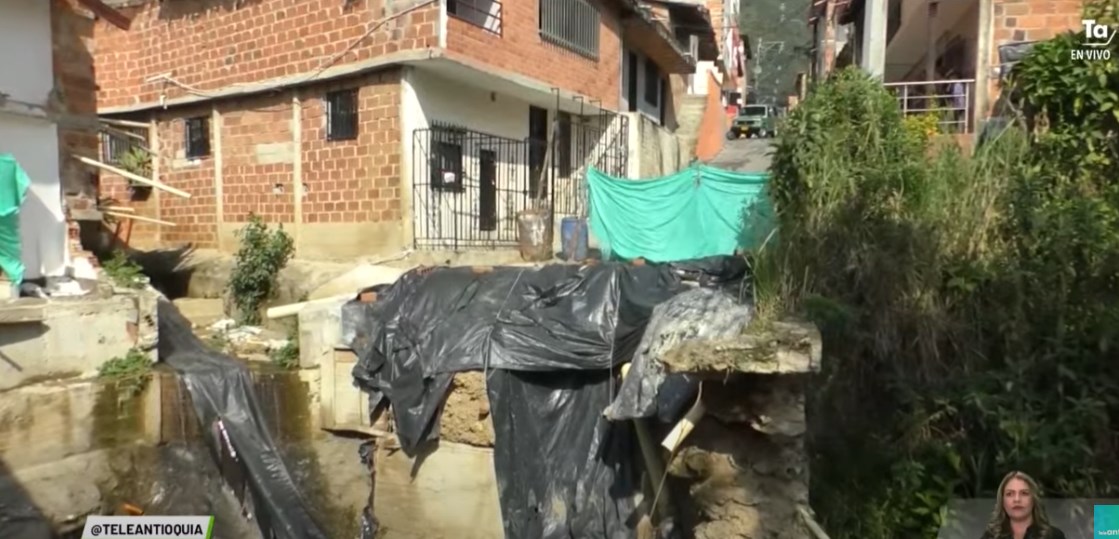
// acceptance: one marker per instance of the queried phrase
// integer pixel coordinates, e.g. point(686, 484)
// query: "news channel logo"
point(148, 527)
point(1106, 518)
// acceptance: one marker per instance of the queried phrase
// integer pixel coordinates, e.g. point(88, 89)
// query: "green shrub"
point(258, 261)
point(969, 304)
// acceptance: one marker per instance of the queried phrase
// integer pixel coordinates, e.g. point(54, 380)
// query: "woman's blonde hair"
point(999, 525)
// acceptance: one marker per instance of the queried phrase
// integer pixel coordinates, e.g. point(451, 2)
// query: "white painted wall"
point(697, 82)
point(428, 98)
point(650, 110)
point(28, 77)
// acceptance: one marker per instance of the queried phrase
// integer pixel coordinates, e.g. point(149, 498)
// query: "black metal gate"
point(469, 186)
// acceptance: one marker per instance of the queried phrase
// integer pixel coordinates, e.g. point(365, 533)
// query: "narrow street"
point(744, 155)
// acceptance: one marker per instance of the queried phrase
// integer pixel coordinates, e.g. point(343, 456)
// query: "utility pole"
point(763, 47)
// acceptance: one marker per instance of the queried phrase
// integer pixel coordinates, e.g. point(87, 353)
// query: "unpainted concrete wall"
point(653, 150)
point(76, 337)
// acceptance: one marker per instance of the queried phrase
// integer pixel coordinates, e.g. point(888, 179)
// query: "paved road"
point(744, 155)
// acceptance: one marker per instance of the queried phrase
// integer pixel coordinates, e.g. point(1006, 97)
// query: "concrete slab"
point(48, 422)
point(201, 312)
point(72, 337)
point(360, 277)
point(452, 496)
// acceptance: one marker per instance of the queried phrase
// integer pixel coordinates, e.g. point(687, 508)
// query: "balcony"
point(485, 14)
point(950, 101)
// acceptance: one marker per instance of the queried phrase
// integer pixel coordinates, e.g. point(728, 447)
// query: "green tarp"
point(697, 212)
point(13, 190)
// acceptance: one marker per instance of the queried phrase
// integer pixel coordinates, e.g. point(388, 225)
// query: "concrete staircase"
point(688, 119)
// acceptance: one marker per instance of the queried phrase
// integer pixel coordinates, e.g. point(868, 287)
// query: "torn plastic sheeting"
point(695, 314)
point(564, 471)
point(221, 391)
point(549, 337)
point(1012, 53)
point(438, 321)
point(19, 516)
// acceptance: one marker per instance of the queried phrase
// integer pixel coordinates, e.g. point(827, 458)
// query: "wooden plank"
point(134, 177)
point(351, 405)
point(453, 494)
point(326, 391)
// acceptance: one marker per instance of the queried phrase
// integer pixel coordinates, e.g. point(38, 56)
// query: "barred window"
point(197, 137)
point(341, 115)
point(571, 24)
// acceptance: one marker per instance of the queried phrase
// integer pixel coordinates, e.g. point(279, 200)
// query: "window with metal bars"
point(563, 144)
point(571, 24)
point(341, 115)
point(486, 14)
point(118, 142)
point(197, 137)
point(446, 161)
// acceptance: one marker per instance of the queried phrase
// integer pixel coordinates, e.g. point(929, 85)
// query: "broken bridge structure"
point(596, 400)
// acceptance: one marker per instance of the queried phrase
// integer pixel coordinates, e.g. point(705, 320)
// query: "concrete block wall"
point(75, 337)
point(653, 150)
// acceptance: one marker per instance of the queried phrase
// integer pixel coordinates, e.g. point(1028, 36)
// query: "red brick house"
point(371, 126)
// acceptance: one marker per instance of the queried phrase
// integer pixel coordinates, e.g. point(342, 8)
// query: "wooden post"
point(157, 158)
point(297, 171)
point(219, 189)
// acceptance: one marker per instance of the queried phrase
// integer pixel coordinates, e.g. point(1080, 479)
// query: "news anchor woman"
point(1019, 513)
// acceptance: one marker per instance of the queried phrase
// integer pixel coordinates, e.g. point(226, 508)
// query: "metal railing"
point(469, 186)
point(485, 14)
point(949, 100)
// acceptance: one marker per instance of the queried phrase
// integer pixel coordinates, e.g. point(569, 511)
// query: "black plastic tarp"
point(1012, 53)
point(648, 391)
point(19, 516)
point(221, 391)
point(547, 339)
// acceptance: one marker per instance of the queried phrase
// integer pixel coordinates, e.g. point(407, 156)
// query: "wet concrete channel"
point(115, 452)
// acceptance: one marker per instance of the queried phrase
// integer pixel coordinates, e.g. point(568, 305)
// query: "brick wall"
point(258, 153)
point(1033, 20)
point(354, 181)
point(195, 218)
point(72, 31)
point(520, 49)
point(1028, 20)
point(215, 44)
point(114, 191)
point(346, 181)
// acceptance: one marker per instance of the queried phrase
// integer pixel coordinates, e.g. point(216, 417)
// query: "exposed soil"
point(466, 416)
point(732, 481)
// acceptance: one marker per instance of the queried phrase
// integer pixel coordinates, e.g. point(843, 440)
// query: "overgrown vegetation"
point(259, 259)
point(136, 160)
point(218, 341)
point(129, 372)
point(287, 356)
point(123, 272)
point(969, 304)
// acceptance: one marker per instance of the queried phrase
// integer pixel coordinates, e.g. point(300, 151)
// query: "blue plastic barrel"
point(573, 238)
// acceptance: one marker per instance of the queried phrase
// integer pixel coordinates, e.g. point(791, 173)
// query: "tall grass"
point(934, 277)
